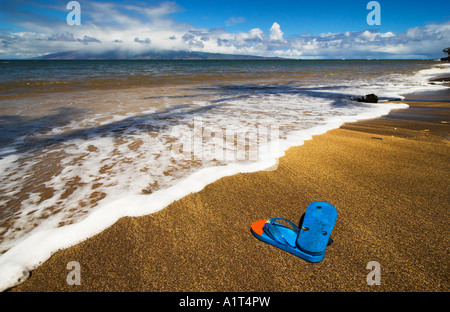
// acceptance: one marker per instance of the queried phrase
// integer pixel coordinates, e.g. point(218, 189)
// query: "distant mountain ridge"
point(150, 55)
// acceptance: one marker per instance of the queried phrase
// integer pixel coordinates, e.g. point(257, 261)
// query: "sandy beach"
point(387, 177)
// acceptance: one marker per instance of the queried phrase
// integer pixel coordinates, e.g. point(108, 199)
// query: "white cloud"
point(288, 53)
point(235, 20)
point(275, 32)
point(387, 35)
point(256, 33)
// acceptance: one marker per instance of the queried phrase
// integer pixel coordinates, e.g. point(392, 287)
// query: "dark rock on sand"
point(369, 98)
point(441, 79)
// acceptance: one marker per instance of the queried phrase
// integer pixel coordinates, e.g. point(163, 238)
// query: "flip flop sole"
point(316, 228)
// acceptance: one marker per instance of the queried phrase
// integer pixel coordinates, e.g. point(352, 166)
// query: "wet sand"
point(387, 177)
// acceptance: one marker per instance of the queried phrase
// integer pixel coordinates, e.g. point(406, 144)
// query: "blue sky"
point(297, 29)
point(314, 16)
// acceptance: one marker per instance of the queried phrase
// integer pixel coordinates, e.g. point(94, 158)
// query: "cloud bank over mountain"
point(134, 29)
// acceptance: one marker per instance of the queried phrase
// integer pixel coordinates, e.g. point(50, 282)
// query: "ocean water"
point(84, 143)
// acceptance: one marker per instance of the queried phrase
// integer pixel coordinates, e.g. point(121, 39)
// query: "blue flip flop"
point(308, 242)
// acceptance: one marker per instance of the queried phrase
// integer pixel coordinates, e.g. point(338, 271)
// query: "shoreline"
point(202, 242)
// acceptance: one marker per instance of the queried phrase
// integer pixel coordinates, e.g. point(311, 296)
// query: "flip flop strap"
point(271, 229)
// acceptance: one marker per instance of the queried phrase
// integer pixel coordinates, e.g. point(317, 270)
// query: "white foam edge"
point(17, 262)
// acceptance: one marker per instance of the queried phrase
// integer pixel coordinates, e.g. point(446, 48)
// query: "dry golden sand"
point(388, 179)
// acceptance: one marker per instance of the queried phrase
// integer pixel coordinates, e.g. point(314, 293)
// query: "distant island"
point(150, 55)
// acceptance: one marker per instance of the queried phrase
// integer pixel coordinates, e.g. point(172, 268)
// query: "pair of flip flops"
point(307, 242)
